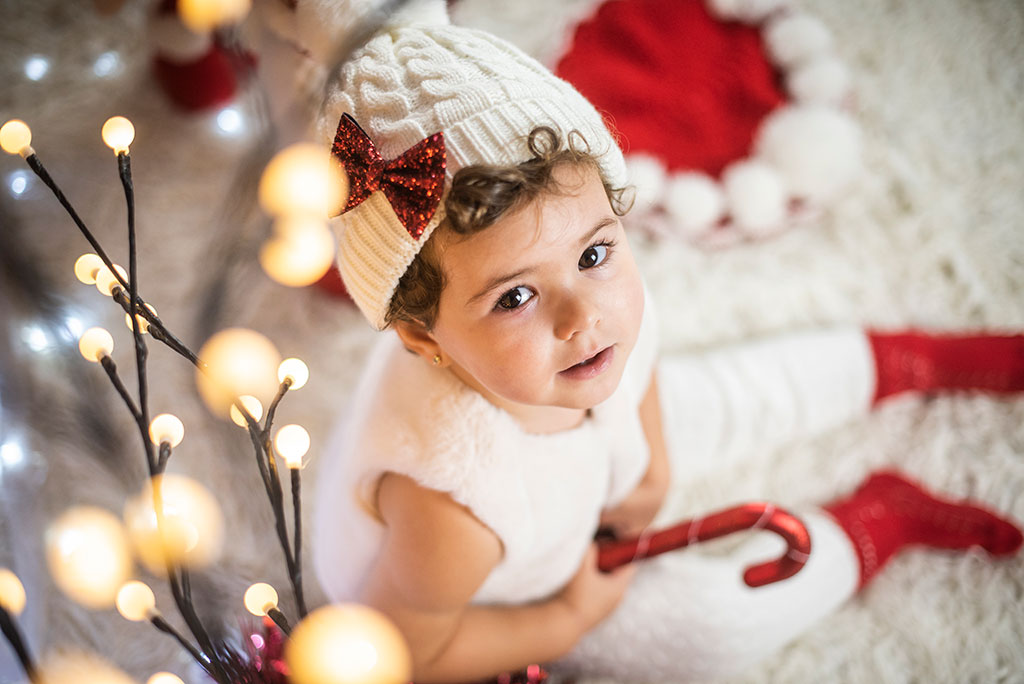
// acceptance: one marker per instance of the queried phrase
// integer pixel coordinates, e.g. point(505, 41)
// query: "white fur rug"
point(931, 237)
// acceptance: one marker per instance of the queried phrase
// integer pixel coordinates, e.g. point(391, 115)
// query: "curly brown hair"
point(480, 195)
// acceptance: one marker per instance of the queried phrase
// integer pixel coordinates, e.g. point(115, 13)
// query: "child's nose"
point(577, 314)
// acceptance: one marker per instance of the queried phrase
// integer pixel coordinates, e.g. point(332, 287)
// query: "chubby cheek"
point(513, 366)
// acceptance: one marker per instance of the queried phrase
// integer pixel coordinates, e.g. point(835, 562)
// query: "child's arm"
point(435, 557)
point(636, 511)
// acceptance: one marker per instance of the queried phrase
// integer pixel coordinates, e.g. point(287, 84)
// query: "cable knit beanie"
point(412, 81)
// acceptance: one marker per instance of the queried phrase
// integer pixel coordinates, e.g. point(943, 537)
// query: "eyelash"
point(609, 246)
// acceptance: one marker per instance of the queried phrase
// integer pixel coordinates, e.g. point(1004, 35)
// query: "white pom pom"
point(816, 149)
point(756, 11)
point(796, 37)
point(824, 81)
point(726, 10)
point(647, 175)
point(172, 41)
point(694, 203)
point(756, 195)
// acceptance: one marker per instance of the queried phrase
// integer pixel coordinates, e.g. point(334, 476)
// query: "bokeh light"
point(166, 427)
point(301, 179)
point(237, 362)
point(135, 601)
point(292, 442)
point(259, 598)
point(80, 668)
point(202, 16)
point(88, 556)
point(95, 343)
point(12, 592)
point(295, 369)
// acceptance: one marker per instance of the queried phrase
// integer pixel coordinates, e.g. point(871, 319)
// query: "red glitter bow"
point(412, 182)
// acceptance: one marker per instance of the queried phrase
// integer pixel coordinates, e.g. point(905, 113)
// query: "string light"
point(237, 362)
point(347, 644)
point(143, 323)
point(35, 337)
point(202, 16)
point(87, 267)
point(118, 133)
point(292, 442)
point(95, 343)
point(12, 593)
point(135, 601)
point(259, 598)
point(36, 67)
point(302, 179)
point(107, 64)
point(230, 121)
point(106, 282)
point(166, 428)
point(16, 138)
point(164, 678)
point(18, 182)
point(87, 552)
point(192, 523)
point(250, 404)
point(296, 370)
point(301, 253)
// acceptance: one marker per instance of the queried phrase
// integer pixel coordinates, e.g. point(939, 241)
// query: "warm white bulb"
point(202, 16)
point(296, 370)
point(87, 267)
point(15, 136)
point(301, 252)
point(118, 133)
point(259, 598)
point(166, 428)
point(80, 668)
point(87, 553)
point(237, 362)
point(301, 179)
point(12, 593)
point(105, 280)
point(292, 442)
point(95, 343)
point(143, 323)
point(135, 601)
point(250, 404)
point(164, 678)
point(350, 644)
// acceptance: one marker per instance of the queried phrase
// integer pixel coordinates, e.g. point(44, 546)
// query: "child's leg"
point(689, 615)
point(914, 361)
point(722, 406)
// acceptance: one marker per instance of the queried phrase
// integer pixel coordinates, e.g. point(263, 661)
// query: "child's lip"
point(591, 366)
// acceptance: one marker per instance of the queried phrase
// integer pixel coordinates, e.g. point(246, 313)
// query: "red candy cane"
point(750, 516)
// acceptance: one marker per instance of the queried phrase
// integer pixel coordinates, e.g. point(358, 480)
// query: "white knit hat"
point(483, 95)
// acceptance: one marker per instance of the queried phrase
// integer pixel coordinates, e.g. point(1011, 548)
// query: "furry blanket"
point(929, 237)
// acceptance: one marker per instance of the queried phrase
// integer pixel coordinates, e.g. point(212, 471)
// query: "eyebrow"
point(493, 283)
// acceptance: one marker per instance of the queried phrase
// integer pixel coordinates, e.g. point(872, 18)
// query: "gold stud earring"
point(437, 359)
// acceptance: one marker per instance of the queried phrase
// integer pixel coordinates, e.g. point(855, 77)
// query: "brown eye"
point(514, 298)
point(592, 256)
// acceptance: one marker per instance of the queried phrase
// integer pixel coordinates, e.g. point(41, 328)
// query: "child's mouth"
point(589, 368)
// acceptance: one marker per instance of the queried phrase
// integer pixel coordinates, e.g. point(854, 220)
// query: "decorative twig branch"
point(17, 641)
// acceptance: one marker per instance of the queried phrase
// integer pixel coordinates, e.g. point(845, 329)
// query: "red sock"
point(888, 513)
point(915, 361)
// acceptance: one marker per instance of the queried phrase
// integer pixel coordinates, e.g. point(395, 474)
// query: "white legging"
point(688, 615)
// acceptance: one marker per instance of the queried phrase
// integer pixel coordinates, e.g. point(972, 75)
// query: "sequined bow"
point(412, 182)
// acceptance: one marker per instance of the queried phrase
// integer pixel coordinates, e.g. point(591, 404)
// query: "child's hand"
point(635, 513)
point(592, 594)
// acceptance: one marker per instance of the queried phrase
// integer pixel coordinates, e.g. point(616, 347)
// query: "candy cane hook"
point(750, 516)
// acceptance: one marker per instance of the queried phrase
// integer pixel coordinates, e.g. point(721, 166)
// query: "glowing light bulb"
point(12, 593)
point(347, 644)
point(302, 179)
point(118, 133)
point(105, 280)
point(95, 343)
point(135, 601)
point(259, 598)
point(36, 67)
point(300, 254)
point(192, 524)
point(296, 370)
point(205, 15)
point(87, 552)
point(80, 668)
point(143, 323)
point(15, 136)
point(250, 404)
point(237, 362)
point(87, 267)
point(164, 678)
point(292, 442)
point(166, 428)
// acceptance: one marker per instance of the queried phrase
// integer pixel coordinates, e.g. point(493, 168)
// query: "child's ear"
point(417, 339)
